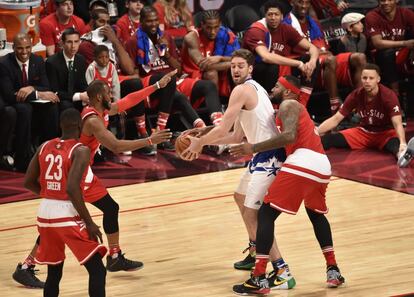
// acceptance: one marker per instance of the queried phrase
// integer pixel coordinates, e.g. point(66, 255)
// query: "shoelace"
point(248, 248)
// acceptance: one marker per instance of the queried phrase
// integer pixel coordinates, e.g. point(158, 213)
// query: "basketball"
point(181, 143)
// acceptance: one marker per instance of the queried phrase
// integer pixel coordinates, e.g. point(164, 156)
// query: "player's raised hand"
point(242, 149)
point(161, 136)
point(94, 232)
point(166, 78)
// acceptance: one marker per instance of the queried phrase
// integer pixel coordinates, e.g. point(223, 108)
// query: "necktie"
point(24, 75)
point(70, 77)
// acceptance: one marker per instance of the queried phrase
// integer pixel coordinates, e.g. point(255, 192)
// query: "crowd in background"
point(130, 44)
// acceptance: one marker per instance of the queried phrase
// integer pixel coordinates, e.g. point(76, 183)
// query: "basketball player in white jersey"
point(252, 115)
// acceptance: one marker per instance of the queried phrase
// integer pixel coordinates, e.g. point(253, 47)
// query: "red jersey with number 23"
point(55, 161)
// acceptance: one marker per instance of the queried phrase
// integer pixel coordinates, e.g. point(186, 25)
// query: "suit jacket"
point(11, 77)
point(57, 72)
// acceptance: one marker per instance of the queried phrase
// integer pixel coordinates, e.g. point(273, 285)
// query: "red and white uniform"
point(305, 174)
point(94, 189)
point(376, 127)
point(58, 221)
point(206, 47)
point(51, 30)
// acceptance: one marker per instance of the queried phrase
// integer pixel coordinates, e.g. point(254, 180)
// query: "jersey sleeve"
point(349, 104)
point(391, 102)
point(253, 38)
point(373, 24)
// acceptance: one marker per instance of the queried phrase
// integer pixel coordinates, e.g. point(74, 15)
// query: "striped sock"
point(305, 93)
point(162, 120)
point(216, 118)
point(199, 123)
point(277, 264)
point(329, 254)
point(114, 250)
point(29, 261)
point(261, 263)
point(140, 124)
point(335, 104)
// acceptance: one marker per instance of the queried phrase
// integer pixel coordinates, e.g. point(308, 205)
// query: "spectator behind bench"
point(24, 80)
point(391, 32)
point(52, 26)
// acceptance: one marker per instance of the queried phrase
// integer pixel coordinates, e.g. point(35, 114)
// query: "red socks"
point(114, 250)
point(329, 255)
point(261, 263)
point(140, 124)
point(216, 118)
point(162, 120)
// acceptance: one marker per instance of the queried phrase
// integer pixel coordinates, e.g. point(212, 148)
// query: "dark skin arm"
point(31, 179)
point(80, 162)
point(217, 63)
point(289, 114)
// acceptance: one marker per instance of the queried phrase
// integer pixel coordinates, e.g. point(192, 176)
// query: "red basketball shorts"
point(289, 190)
point(93, 189)
point(359, 138)
point(59, 225)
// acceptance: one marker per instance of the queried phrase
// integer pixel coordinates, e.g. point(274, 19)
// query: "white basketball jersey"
point(258, 123)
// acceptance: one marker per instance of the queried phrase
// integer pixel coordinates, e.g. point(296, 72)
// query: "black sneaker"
point(27, 277)
point(150, 150)
point(121, 263)
point(166, 145)
point(255, 285)
point(246, 264)
point(333, 277)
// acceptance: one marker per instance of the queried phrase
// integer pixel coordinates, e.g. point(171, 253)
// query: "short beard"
point(106, 105)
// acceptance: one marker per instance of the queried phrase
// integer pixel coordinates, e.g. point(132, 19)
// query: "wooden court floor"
point(188, 232)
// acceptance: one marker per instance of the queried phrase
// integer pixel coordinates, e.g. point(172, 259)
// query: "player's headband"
point(288, 85)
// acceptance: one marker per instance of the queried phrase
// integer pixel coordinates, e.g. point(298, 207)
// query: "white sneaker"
point(407, 155)
point(221, 148)
point(127, 153)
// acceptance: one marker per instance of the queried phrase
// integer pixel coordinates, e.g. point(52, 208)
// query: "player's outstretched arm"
point(330, 123)
point(137, 97)
point(80, 163)
point(108, 140)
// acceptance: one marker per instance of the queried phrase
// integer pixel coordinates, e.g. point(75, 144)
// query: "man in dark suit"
point(24, 81)
point(66, 72)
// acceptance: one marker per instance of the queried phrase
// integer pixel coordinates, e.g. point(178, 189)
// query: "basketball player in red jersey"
point(95, 120)
point(55, 173)
point(304, 176)
point(380, 126)
point(94, 133)
point(206, 51)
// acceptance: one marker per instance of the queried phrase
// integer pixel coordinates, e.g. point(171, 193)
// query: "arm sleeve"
point(373, 24)
point(253, 38)
point(134, 98)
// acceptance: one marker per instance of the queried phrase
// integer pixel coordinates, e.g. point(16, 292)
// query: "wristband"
point(149, 141)
point(158, 85)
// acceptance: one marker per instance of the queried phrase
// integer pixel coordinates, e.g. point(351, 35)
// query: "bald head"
point(20, 37)
point(22, 46)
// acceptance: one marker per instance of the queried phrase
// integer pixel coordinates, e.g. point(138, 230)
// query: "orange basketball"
point(181, 143)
